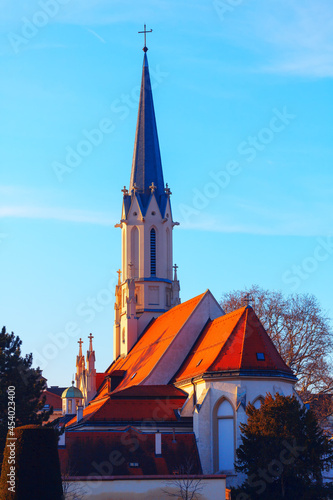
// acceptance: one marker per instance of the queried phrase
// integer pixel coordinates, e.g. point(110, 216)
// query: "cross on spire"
point(119, 274)
point(125, 191)
point(135, 187)
point(145, 32)
point(80, 342)
point(152, 187)
point(167, 189)
point(90, 337)
point(175, 267)
point(248, 299)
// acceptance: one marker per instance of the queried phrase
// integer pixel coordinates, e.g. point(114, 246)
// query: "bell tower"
point(147, 286)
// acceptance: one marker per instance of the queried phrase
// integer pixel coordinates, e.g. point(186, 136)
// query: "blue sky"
point(243, 100)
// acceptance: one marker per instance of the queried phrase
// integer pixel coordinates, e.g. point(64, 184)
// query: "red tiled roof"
point(231, 342)
point(118, 452)
point(137, 403)
point(52, 399)
point(99, 379)
point(151, 346)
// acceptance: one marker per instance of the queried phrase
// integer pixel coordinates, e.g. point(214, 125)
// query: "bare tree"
point(72, 490)
point(188, 486)
point(299, 329)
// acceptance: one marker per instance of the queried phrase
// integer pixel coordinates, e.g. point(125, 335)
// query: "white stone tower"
point(147, 286)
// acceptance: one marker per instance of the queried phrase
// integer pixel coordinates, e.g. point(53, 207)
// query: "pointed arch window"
point(152, 252)
point(225, 436)
point(169, 257)
point(135, 252)
point(258, 402)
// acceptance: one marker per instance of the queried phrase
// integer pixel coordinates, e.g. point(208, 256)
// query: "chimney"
point(62, 439)
point(158, 443)
point(79, 413)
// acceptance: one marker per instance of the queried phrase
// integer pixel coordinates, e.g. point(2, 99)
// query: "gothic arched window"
point(225, 438)
point(169, 257)
point(153, 252)
point(134, 252)
point(258, 402)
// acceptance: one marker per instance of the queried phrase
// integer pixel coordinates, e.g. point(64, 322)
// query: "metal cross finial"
point(125, 191)
point(247, 299)
point(167, 189)
point(119, 274)
point(80, 342)
point(175, 267)
point(145, 31)
point(152, 187)
point(135, 187)
point(90, 337)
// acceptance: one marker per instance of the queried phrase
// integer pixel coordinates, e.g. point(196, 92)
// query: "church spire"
point(147, 165)
point(146, 289)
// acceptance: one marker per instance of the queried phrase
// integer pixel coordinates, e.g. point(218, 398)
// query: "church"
point(171, 402)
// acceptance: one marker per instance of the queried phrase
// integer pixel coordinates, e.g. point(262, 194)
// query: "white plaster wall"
point(143, 489)
point(203, 422)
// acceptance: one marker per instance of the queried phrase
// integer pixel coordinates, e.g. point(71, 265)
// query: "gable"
point(161, 349)
point(235, 342)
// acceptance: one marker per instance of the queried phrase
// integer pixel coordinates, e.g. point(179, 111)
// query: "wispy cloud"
point(60, 214)
point(295, 37)
point(250, 217)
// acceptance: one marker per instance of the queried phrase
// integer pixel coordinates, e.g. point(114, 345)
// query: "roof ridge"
point(230, 335)
point(244, 335)
point(200, 298)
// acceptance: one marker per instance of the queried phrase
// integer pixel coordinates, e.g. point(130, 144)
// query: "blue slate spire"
point(147, 165)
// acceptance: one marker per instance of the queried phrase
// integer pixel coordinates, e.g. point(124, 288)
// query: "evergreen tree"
point(31, 468)
point(283, 452)
point(28, 384)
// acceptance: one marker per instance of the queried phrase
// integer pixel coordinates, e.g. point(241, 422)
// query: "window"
point(258, 402)
point(225, 437)
point(260, 356)
point(134, 253)
point(69, 406)
point(153, 252)
point(169, 254)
